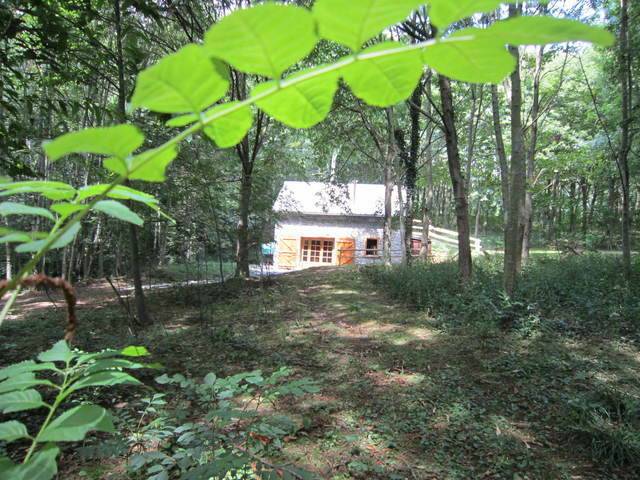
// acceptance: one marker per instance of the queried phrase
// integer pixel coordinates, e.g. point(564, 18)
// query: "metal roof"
point(318, 198)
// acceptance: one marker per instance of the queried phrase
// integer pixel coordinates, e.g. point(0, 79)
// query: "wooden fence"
point(448, 237)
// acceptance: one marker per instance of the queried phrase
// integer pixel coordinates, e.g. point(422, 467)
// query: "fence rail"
point(449, 237)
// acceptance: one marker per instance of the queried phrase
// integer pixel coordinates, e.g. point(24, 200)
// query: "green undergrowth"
point(403, 392)
point(581, 294)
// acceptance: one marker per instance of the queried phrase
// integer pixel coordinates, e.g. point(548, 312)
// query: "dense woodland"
point(532, 147)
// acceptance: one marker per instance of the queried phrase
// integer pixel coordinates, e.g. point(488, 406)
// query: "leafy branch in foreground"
point(74, 371)
point(268, 40)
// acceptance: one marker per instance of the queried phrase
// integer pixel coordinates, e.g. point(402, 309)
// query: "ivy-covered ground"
point(401, 396)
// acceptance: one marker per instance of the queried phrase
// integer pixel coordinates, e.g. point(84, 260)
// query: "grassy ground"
point(401, 397)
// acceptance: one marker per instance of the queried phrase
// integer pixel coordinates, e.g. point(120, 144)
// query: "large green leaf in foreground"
point(117, 141)
point(353, 22)
point(385, 80)
point(465, 57)
point(230, 129)
point(184, 82)
point(74, 424)
point(540, 30)
point(265, 39)
point(302, 105)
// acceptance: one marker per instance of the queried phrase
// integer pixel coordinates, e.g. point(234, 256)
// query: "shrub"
point(579, 293)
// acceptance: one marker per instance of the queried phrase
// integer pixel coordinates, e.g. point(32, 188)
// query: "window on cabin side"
point(371, 247)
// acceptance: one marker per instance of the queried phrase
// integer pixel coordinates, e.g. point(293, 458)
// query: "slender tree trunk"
point(500, 151)
point(411, 170)
point(428, 189)
point(572, 207)
point(531, 156)
point(242, 245)
point(517, 170)
point(388, 212)
point(476, 231)
point(626, 86)
point(584, 190)
point(141, 308)
point(457, 179)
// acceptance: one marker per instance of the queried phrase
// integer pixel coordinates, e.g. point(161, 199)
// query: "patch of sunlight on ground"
point(345, 292)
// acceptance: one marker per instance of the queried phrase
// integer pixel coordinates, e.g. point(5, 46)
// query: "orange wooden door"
point(288, 253)
point(346, 251)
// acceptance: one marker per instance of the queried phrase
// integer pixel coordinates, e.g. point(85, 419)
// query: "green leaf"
point(230, 129)
point(540, 30)
point(49, 189)
point(42, 466)
point(13, 430)
point(353, 22)
point(265, 39)
point(22, 381)
point(117, 141)
point(470, 56)
point(67, 209)
point(102, 364)
point(150, 166)
point(166, 88)
point(74, 424)
point(443, 13)
point(210, 378)
point(385, 80)
point(182, 120)
point(59, 352)
point(117, 210)
point(20, 401)
point(119, 192)
point(26, 366)
point(66, 238)
point(302, 105)
point(12, 208)
point(104, 378)
point(134, 351)
point(16, 237)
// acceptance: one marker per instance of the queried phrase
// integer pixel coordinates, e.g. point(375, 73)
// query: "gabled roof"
point(317, 198)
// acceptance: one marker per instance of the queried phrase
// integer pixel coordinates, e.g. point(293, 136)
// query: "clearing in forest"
point(399, 397)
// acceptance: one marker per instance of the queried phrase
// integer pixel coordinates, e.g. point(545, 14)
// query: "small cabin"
point(332, 224)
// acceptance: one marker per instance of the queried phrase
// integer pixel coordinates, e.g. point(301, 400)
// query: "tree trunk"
point(411, 170)
point(457, 179)
point(242, 245)
point(517, 177)
point(500, 151)
point(572, 207)
point(388, 212)
point(141, 308)
point(531, 156)
point(584, 190)
point(428, 189)
point(626, 86)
